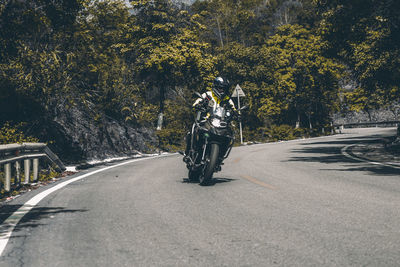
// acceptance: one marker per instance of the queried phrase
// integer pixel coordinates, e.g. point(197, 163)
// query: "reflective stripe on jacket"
point(214, 101)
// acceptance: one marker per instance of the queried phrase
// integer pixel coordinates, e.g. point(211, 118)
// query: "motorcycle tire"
point(210, 167)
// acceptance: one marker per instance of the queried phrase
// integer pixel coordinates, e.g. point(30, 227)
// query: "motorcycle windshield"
point(220, 113)
point(218, 118)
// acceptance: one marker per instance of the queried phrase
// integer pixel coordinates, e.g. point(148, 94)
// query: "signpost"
point(239, 93)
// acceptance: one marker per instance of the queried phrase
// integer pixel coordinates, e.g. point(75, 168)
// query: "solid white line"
point(344, 153)
point(7, 227)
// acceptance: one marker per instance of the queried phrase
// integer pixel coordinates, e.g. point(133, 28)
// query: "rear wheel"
point(212, 160)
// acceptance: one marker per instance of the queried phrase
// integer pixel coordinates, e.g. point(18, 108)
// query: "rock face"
point(77, 137)
point(379, 115)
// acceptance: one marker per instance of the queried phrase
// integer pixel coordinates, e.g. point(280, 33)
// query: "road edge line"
point(9, 224)
point(346, 154)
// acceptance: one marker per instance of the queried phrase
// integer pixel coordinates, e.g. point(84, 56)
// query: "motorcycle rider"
point(218, 96)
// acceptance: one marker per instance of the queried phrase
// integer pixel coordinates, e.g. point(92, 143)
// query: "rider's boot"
point(186, 158)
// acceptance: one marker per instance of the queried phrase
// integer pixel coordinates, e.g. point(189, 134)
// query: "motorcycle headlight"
point(216, 122)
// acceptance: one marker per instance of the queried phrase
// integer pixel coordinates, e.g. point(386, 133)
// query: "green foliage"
point(275, 133)
point(10, 134)
point(281, 132)
point(366, 35)
point(45, 175)
point(133, 62)
point(287, 79)
point(178, 119)
point(171, 139)
point(249, 22)
point(362, 100)
point(307, 80)
point(169, 54)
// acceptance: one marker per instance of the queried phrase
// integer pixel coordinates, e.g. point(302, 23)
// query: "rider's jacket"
point(213, 101)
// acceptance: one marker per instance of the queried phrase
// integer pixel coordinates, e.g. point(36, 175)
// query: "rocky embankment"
point(76, 137)
point(378, 115)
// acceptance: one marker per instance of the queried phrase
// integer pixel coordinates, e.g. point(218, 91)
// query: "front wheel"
point(194, 175)
point(212, 160)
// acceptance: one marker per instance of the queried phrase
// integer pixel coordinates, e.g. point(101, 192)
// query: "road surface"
point(298, 203)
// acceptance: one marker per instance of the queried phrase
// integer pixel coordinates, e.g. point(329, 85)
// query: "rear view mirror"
point(244, 107)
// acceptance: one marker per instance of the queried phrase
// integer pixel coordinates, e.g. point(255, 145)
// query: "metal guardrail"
point(29, 153)
point(368, 124)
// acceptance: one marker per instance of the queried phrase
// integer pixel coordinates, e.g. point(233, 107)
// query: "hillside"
point(92, 77)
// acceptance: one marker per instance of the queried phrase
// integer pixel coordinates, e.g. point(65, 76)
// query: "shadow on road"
point(330, 152)
point(34, 217)
point(214, 181)
point(372, 139)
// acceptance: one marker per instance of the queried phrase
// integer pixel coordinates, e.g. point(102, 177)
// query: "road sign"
point(238, 92)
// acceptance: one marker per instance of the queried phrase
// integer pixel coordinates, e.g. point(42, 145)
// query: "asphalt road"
point(299, 203)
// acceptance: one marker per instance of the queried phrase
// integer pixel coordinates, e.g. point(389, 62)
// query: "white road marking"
point(7, 227)
point(387, 164)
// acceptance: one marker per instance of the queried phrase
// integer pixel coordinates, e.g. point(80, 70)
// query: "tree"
point(288, 79)
point(361, 100)
point(304, 78)
point(102, 77)
point(247, 22)
point(252, 68)
point(168, 52)
point(30, 54)
point(366, 35)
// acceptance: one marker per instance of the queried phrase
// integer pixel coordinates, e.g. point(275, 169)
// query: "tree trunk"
point(298, 121)
point(161, 113)
point(219, 32)
point(286, 16)
point(369, 114)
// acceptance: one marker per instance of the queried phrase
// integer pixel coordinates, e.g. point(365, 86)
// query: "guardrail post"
point(7, 172)
point(35, 169)
point(18, 173)
point(27, 166)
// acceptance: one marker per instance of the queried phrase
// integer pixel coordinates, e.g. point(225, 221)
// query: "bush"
point(10, 134)
point(16, 188)
point(300, 132)
point(281, 132)
point(171, 139)
point(255, 135)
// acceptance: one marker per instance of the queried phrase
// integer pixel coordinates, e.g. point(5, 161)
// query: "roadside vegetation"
point(45, 176)
point(15, 134)
point(298, 61)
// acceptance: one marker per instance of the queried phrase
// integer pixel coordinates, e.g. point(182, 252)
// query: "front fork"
point(204, 151)
point(204, 147)
point(205, 161)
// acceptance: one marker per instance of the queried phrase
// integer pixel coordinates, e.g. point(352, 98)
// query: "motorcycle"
point(211, 141)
